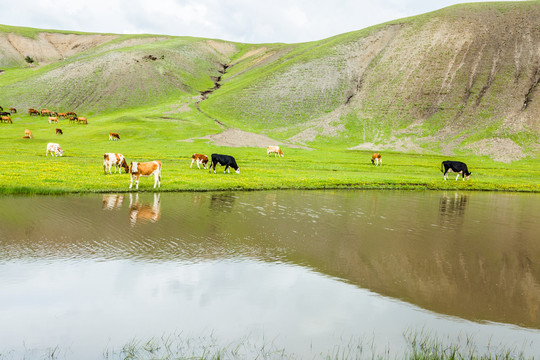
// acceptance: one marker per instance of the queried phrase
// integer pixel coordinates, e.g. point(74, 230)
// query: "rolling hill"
point(464, 79)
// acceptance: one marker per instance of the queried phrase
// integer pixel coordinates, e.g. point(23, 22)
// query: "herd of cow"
point(138, 169)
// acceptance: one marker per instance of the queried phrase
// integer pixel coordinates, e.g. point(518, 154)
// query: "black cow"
point(224, 160)
point(455, 166)
point(5, 113)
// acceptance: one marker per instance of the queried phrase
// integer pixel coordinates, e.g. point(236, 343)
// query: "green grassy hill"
point(461, 82)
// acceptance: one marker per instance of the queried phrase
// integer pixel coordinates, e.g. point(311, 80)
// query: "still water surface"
point(307, 271)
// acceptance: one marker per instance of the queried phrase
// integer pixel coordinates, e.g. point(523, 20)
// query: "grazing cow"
point(118, 160)
point(13, 110)
point(28, 133)
point(138, 169)
point(224, 160)
point(62, 115)
point(456, 167)
point(71, 113)
point(55, 149)
point(82, 120)
point(5, 113)
point(32, 111)
point(376, 159)
point(6, 119)
point(200, 159)
point(141, 213)
point(72, 119)
point(276, 150)
point(53, 119)
point(45, 112)
point(59, 132)
point(114, 136)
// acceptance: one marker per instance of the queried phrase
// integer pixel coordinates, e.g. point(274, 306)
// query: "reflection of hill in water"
point(469, 255)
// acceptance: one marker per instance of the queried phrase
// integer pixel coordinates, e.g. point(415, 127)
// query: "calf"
point(224, 160)
point(456, 167)
point(376, 159)
point(114, 136)
point(28, 133)
point(276, 150)
point(200, 159)
point(138, 169)
point(118, 160)
point(59, 132)
point(55, 149)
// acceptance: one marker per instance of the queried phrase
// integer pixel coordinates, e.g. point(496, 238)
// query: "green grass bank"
point(148, 135)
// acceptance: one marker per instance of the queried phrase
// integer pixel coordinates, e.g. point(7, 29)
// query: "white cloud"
point(236, 20)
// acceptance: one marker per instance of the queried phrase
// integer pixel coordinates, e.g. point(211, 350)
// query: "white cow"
point(55, 149)
point(118, 160)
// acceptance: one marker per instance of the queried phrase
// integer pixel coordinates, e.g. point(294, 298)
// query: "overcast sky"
point(250, 21)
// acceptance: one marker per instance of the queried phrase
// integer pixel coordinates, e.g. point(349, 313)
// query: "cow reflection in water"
point(452, 209)
point(141, 213)
point(112, 201)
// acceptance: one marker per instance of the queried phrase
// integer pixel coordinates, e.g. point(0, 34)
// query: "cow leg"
point(457, 177)
point(226, 169)
point(192, 160)
point(198, 164)
point(445, 176)
point(131, 183)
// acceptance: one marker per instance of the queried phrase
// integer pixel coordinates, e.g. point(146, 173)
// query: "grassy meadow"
point(146, 134)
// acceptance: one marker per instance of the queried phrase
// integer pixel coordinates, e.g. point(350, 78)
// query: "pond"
point(305, 271)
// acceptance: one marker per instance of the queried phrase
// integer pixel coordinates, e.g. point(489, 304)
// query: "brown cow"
point(45, 112)
point(138, 169)
point(274, 149)
point(32, 111)
point(71, 113)
point(62, 115)
point(13, 110)
point(376, 159)
point(82, 120)
point(200, 159)
point(28, 133)
point(114, 136)
point(59, 131)
point(53, 119)
point(6, 119)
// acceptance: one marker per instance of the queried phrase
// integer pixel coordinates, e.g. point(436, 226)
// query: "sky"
point(248, 21)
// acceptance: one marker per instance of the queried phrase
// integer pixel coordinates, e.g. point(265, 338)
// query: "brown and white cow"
point(114, 136)
point(118, 160)
point(28, 133)
point(55, 149)
point(200, 159)
point(376, 159)
point(138, 169)
point(53, 119)
point(274, 149)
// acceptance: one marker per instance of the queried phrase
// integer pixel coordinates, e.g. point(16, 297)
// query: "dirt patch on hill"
point(504, 150)
point(49, 47)
point(239, 138)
